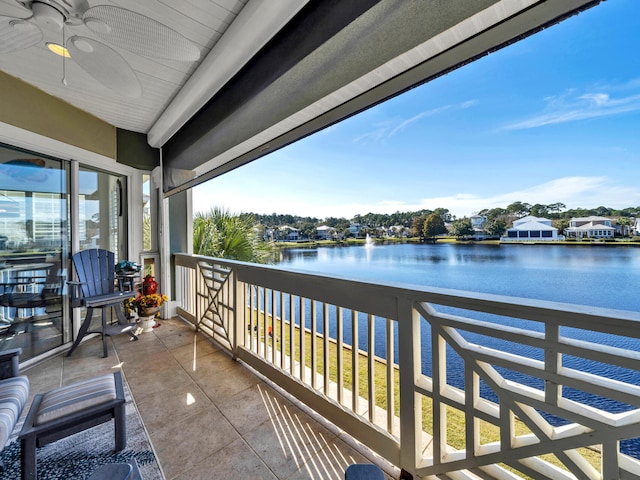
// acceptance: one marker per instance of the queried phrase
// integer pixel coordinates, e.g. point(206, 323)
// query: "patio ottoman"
point(14, 393)
point(363, 471)
point(117, 471)
point(70, 409)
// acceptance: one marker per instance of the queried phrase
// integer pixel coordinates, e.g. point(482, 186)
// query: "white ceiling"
point(203, 22)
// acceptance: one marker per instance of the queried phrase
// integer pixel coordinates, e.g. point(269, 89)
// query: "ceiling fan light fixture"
point(58, 49)
point(81, 44)
point(96, 25)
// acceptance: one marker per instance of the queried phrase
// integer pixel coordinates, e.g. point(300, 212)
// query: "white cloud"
point(571, 107)
point(415, 118)
point(574, 192)
point(374, 136)
point(389, 129)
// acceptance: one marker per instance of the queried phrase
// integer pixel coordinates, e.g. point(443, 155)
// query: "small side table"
point(126, 282)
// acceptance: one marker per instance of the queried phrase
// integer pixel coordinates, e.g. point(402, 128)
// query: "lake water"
point(600, 276)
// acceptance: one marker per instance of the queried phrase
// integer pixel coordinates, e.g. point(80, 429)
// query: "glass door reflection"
point(103, 217)
point(33, 252)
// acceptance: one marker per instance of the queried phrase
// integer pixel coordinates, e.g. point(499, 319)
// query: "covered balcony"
point(259, 375)
point(90, 158)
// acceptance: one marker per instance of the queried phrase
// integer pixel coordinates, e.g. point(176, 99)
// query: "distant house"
point(398, 231)
point(325, 233)
point(355, 228)
point(590, 227)
point(622, 230)
point(477, 223)
point(531, 228)
point(636, 227)
point(288, 234)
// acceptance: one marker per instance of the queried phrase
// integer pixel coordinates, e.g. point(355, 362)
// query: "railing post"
point(552, 363)
point(239, 313)
point(197, 280)
point(409, 366)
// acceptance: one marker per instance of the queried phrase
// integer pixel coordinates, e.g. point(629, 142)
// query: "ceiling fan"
point(25, 23)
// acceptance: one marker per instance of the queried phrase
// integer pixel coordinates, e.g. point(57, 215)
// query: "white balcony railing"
point(436, 381)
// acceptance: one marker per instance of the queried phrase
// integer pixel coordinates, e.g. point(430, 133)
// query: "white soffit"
point(264, 19)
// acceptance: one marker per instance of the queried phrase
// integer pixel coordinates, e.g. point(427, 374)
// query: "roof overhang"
point(334, 59)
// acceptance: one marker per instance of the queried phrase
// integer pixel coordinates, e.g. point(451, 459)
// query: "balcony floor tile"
point(206, 414)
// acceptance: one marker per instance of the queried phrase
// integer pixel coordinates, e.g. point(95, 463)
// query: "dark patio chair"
point(96, 288)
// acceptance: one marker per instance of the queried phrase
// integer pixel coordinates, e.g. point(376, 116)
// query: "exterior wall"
point(533, 234)
point(31, 109)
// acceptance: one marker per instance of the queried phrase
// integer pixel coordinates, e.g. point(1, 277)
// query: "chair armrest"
point(9, 363)
point(77, 299)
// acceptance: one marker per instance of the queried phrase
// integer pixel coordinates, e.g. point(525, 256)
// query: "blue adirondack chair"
point(96, 288)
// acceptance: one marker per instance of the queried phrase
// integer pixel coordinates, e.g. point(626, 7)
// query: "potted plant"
point(147, 306)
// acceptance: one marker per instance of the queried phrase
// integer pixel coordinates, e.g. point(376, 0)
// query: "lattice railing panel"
point(529, 426)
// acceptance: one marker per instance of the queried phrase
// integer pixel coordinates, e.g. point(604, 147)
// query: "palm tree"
point(219, 234)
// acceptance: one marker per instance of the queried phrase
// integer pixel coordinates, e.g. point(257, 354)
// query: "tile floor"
point(209, 416)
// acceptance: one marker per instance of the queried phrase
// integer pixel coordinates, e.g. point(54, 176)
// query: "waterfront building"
point(355, 228)
point(531, 228)
point(477, 223)
point(289, 233)
point(590, 227)
point(325, 232)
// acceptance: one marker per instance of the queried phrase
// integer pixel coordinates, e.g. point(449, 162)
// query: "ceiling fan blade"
point(12, 8)
point(105, 65)
point(139, 34)
point(17, 34)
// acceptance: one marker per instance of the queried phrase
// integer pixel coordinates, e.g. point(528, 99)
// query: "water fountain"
point(368, 243)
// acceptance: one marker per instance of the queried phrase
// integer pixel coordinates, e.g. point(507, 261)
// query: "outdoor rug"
point(79, 455)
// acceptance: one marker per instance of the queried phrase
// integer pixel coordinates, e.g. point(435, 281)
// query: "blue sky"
point(553, 118)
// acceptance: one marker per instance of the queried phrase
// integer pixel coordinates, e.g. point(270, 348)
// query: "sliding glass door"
point(34, 252)
point(102, 211)
point(36, 234)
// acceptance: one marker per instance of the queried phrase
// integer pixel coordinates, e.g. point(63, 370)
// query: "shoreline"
point(449, 240)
